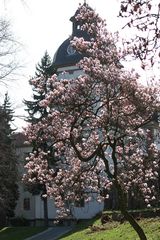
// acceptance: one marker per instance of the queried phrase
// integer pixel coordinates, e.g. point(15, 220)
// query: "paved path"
point(51, 233)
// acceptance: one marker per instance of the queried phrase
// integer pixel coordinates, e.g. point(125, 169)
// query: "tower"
point(66, 57)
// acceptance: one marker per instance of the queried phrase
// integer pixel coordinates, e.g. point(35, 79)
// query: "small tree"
point(8, 51)
point(44, 70)
point(100, 125)
point(8, 163)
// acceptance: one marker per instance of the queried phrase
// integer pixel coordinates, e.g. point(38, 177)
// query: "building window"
point(26, 204)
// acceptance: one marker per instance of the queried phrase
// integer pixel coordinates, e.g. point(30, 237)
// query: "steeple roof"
point(66, 55)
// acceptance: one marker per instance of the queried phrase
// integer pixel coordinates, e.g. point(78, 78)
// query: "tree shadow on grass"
point(80, 226)
point(19, 233)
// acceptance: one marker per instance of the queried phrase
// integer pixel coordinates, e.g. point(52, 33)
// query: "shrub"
point(19, 221)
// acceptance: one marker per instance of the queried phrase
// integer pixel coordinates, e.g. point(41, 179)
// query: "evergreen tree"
point(8, 164)
point(44, 70)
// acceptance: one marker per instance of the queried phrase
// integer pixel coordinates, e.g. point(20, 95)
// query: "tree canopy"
point(144, 17)
point(100, 125)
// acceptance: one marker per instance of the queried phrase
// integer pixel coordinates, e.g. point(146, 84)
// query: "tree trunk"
point(45, 206)
point(123, 207)
point(134, 224)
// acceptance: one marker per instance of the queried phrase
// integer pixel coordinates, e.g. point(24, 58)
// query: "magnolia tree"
point(144, 18)
point(99, 125)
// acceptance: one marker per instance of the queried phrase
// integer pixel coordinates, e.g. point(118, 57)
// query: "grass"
point(114, 231)
point(19, 233)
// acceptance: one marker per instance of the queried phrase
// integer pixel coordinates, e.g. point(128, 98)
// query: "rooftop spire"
point(85, 3)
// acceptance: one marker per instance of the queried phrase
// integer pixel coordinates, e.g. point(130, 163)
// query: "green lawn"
point(115, 231)
point(19, 233)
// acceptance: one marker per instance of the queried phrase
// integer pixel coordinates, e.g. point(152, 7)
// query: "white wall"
point(70, 72)
point(89, 210)
point(36, 204)
point(19, 210)
point(39, 210)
